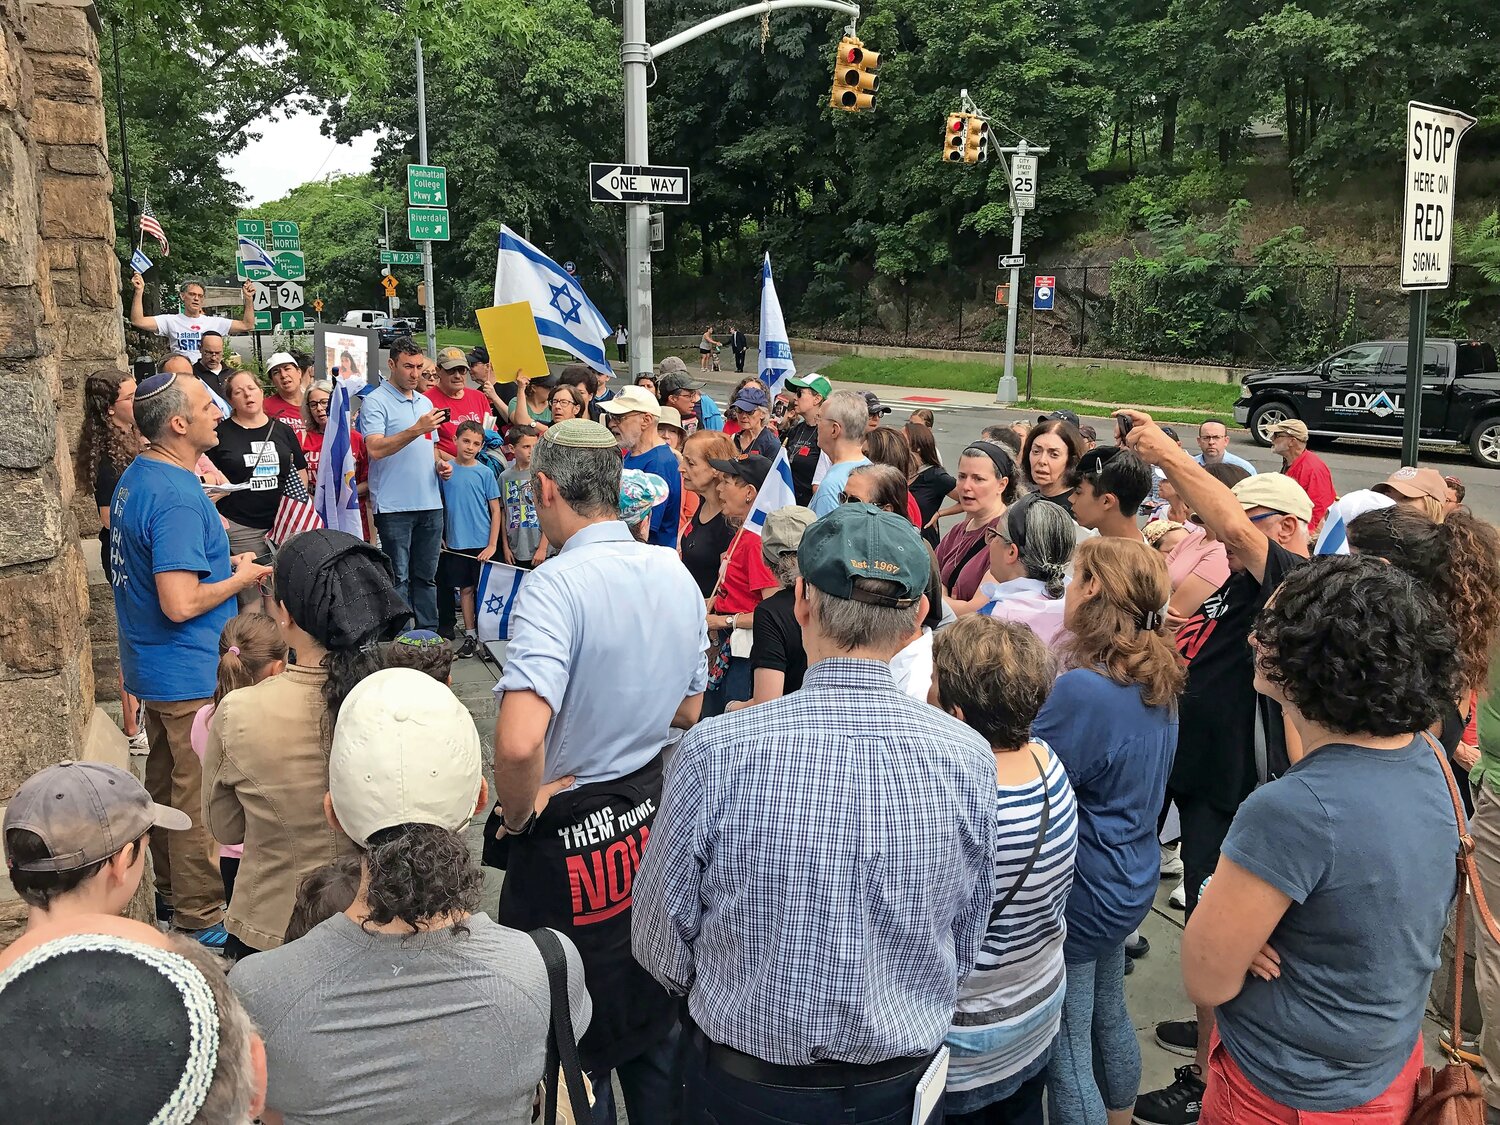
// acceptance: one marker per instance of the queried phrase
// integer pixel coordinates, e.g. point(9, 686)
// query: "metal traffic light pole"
point(636, 54)
point(427, 243)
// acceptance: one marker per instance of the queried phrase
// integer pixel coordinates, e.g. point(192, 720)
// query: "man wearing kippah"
point(175, 585)
point(821, 873)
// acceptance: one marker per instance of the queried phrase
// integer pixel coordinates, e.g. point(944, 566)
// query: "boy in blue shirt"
point(471, 518)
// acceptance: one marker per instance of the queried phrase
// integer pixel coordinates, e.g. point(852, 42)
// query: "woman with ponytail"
point(1030, 553)
point(1112, 721)
point(266, 769)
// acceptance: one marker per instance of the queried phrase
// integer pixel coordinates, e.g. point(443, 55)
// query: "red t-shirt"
point(312, 448)
point(913, 512)
point(277, 407)
point(1310, 471)
point(470, 406)
point(745, 577)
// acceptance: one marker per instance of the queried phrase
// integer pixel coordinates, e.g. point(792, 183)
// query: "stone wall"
point(60, 318)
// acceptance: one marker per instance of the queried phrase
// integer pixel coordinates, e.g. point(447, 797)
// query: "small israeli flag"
point(252, 253)
point(494, 599)
point(139, 262)
point(776, 365)
point(776, 493)
point(337, 496)
point(565, 317)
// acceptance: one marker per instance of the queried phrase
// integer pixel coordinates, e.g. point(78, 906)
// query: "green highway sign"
point(293, 322)
point(251, 228)
point(284, 236)
point(427, 223)
point(400, 258)
point(426, 185)
point(263, 320)
point(291, 265)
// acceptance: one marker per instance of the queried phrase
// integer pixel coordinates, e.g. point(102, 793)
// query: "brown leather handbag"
point(1451, 1096)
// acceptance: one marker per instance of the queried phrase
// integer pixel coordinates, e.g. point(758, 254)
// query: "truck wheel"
point(1266, 415)
point(1485, 444)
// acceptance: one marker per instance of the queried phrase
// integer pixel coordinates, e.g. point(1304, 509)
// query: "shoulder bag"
point(565, 1093)
point(1451, 1096)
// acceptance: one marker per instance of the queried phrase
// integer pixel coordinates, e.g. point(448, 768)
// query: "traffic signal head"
point(854, 77)
point(954, 134)
point(975, 148)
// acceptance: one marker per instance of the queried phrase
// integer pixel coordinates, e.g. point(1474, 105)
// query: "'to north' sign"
point(1432, 136)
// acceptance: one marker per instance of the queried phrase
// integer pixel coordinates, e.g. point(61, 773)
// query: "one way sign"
point(632, 183)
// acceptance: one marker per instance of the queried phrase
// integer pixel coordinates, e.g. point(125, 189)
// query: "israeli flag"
point(223, 406)
point(775, 494)
point(139, 262)
point(1333, 537)
point(337, 498)
point(776, 364)
point(494, 600)
point(565, 317)
point(252, 253)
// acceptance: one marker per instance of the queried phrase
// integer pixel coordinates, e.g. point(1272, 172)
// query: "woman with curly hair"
point(1317, 937)
point(1112, 721)
point(412, 959)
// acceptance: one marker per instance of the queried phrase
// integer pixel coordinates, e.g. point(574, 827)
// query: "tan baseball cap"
point(1414, 483)
point(405, 751)
point(1276, 491)
point(782, 533)
point(670, 416)
point(632, 400)
point(85, 812)
point(1292, 427)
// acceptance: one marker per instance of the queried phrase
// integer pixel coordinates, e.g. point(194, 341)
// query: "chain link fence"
point(1242, 315)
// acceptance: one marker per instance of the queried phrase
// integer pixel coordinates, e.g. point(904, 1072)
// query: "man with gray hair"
point(175, 585)
point(842, 424)
point(821, 873)
point(606, 655)
point(184, 331)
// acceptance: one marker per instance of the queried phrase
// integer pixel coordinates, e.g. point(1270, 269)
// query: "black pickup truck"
point(1361, 391)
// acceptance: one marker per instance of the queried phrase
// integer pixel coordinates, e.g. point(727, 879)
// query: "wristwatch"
point(521, 831)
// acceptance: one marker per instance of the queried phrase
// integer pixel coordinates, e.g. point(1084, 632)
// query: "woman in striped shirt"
point(995, 675)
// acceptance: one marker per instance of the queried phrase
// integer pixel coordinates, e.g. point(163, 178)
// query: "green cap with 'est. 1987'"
point(862, 541)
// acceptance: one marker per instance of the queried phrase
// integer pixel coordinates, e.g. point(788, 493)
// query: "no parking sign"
point(1044, 289)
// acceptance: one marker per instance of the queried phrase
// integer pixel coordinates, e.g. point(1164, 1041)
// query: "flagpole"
point(141, 231)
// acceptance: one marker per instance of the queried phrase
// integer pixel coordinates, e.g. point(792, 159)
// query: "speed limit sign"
point(1023, 181)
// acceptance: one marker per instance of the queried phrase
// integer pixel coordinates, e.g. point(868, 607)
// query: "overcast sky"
point(291, 151)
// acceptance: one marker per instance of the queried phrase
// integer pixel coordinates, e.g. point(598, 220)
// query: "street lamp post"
point(390, 302)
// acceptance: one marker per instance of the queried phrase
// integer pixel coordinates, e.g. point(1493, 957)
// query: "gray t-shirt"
point(431, 1028)
point(1362, 841)
point(523, 528)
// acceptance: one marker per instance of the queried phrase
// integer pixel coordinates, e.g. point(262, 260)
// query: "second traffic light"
point(854, 77)
point(964, 138)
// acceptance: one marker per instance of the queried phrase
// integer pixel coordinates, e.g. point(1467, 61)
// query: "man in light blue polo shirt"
point(399, 426)
point(1213, 441)
point(606, 655)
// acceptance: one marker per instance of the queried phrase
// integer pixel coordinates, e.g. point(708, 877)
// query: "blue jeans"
point(411, 540)
point(651, 1083)
point(1096, 1060)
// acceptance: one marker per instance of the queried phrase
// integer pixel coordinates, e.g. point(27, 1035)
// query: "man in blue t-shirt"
point(633, 413)
point(175, 586)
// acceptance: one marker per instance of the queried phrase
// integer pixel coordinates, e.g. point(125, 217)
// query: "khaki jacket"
point(264, 776)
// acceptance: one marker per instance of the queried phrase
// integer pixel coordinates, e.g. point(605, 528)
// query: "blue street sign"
point(1043, 292)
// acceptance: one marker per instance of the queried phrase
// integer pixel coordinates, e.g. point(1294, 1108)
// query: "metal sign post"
point(1432, 137)
point(422, 159)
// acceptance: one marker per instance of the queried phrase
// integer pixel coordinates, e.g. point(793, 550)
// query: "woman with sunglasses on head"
point(1029, 555)
point(1112, 721)
point(987, 479)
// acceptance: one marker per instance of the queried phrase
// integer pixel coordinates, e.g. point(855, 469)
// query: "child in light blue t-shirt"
point(471, 518)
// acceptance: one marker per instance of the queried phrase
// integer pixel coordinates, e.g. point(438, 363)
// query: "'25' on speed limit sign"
point(1023, 181)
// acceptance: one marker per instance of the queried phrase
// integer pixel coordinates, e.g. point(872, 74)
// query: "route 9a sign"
point(1432, 136)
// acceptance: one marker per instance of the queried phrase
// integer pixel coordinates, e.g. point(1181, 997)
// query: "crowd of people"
point(833, 804)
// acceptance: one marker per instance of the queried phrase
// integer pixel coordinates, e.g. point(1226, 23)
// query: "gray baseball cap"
point(85, 812)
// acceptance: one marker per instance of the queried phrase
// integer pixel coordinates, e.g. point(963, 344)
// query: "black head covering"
point(339, 589)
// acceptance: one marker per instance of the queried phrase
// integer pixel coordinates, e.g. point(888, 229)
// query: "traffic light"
point(975, 148)
point(953, 136)
point(854, 76)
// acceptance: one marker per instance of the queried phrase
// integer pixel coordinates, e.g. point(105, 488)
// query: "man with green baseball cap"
point(801, 440)
point(794, 792)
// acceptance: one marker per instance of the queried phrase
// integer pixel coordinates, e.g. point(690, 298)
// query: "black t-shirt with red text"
point(803, 452)
point(1220, 708)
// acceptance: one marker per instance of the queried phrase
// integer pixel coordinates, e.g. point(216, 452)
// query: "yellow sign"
point(317, 304)
point(390, 285)
point(510, 337)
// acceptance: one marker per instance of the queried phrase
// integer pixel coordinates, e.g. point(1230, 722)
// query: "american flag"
point(152, 226)
point(295, 514)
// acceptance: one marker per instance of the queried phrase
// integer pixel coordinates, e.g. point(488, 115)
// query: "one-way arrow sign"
point(632, 183)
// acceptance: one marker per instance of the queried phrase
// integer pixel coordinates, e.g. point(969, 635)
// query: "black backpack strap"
point(1036, 848)
point(562, 1044)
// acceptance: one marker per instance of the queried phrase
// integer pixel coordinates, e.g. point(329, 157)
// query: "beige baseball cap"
point(1292, 427)
point(670, 416)
point(85, 812)
point(405, 751)
point(1276, 491)
point(1414, 483)
point(632, 400)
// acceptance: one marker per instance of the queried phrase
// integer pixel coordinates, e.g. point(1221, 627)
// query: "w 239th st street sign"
point(638, 183)
point(1432, 136)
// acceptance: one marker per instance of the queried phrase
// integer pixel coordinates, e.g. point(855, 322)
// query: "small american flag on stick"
point(152, 226)
point(295, 514)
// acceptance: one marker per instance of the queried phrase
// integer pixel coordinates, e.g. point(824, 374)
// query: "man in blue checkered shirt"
point(820, 873)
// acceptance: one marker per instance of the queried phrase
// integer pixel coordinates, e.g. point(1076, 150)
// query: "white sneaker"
point(1171, 863)
point(138, 742)
point(1178, 897)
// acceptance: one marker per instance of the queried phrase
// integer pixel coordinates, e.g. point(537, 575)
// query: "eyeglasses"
point(317, 404)
point(993, 533)
point(1266, 516)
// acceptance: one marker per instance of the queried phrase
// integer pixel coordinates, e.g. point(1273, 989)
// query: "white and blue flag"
point(218, 402)
point(1333, 536)
point(565, 317)
point(494, 599)
point(139, 262)
point(252, 253)
point(776, 365)
point(336, 499)
point(776, 493)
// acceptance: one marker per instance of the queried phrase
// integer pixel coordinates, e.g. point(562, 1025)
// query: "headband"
point(1005, 464)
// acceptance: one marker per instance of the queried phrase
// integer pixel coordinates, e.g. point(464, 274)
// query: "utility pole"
point(427, 243)
point(114, 25)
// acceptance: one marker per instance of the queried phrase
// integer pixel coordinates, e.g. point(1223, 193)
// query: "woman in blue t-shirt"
point(1318, 936)
point(1112, 721)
